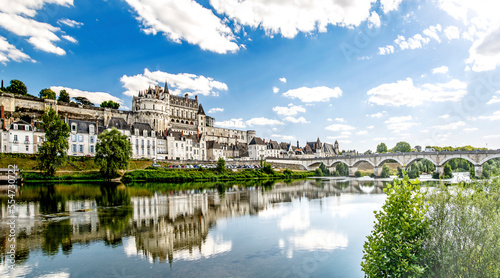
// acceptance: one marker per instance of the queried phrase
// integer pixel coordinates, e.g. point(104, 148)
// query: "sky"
point(361, 71)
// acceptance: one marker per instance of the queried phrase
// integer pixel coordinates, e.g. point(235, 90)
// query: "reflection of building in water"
point(165, 227)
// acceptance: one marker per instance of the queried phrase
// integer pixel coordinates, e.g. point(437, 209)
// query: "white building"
point(83, 138)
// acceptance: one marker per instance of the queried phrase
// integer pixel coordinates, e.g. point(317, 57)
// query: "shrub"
point(394, 247)
point(357, 174)
point(435, 175)
point(318, 172)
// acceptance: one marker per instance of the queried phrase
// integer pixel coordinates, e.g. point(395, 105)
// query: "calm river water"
point(313, 228)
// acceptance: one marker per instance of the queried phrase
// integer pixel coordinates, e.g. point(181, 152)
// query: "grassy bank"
point(185, 175)
point(35, 177)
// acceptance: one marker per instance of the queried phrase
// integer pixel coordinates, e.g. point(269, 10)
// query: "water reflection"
point(160, 225)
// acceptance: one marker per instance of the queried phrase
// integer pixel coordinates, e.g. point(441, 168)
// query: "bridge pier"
point(352, 171)
point(440, 169)
point(377, 171)
point(478, 170)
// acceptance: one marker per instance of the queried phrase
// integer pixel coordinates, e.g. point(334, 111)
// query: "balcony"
point(26, 142)
point(15, 142)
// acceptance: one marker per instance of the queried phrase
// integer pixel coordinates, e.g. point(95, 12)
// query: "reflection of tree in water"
point(115, 221)
point(50, 200)
point(55, 234)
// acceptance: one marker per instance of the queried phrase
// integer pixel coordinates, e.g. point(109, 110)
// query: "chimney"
point(67, 120)
point(197, 133)
point(32, 122)
point(2, 112)
point(187, 96)
point(196, 98)
point(298, 146)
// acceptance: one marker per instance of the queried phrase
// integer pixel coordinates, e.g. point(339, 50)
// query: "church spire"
point(166, 87)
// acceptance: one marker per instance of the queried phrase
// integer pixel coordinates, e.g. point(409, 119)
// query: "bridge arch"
point(490, 157)
point(421, 158)
point(314, 164)
point(385, 160)
point(361, 160)
point(335, 162)
point(457, 156)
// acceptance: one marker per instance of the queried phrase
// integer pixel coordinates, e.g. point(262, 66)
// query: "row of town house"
point(26, 138)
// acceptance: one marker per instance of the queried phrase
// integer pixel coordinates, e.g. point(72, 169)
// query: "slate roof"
point(213, 145)
point(329, 149)
point(119, 123)
point(82, 126)
point(200, 110)
point(273, 145)
point(142, 127)
point(257, 141)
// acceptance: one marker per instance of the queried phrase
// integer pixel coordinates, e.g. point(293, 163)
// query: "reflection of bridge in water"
point(477, 158)
point(165, 227)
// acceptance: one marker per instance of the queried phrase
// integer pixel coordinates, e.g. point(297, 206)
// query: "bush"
point(318, 172)
point(268, 168)
point(386, 172)
point(357, 174)
point(372, 175)
point(435, 175)
point(394, 247)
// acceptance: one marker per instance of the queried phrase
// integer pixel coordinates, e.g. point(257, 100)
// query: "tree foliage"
point(448, 173)
point(52, 152)
point(324, 170)
point(83, 100)
point(402, 146)
point(47, 93)
point(381, 148)
point(113, 151)
point(221, 165)
point(110, 104)
point(17, 87)
point(386, 172)
point(63, 96)
point(395, 246)
point(341, 170)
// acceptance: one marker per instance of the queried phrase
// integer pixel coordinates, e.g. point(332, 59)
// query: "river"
point(312, 228)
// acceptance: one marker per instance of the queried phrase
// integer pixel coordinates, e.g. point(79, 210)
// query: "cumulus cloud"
point(283, 137)
point(442, 69)
point(405, 93)
point(339, 127)
point(296, 120)
point(485, 52)
point(69, 38)
point(450, 126)
point(282, 79)
point(69, 22)
point(178, 83)
point(494, 99)
point(417, 41)
point(233, 123)
point(185, 20)
point(18, 17)
point(288, 18)
point(400, 123)
point(377, 115)
point(290, 110)
point(390, 5)
point(9, 52)
point(340, 120)
point(493, 117)
point(452, 32)
point(263, 121)
point(388, 49)
point(374, 20)
point(215, 110)
point(315, 94)
point(95, 97)
point(275, 90)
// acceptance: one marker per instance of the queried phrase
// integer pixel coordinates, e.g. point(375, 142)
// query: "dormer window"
point(15, 127)
point(73, 127)
point(136, 132)
point(152, 134)
point(145, 133)
point(91, 129)
point(26, 127)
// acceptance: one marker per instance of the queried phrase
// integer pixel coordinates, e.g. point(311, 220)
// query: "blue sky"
point(360, 72)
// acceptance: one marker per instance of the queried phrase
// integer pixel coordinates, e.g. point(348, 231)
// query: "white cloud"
point(415, 42)
point(405, 93)
point(282, 79)
point(233, 123)
point(296, 120)
point(445, 116)
point(275, 90)
point(370, 127)
point(374, 20)
point(283, 137)
point(69, 22)
point(178, 83)
point(389, 49)
point(362, 132)
point(485, 52)
point(315, 94)
point(9, 52)
point(493, 117)
point(450, 126)
point(390, 5)
point(400, 123)
point(290, 110)
point(494, 99)
point(377, 115)
point(442, 69)
point(339, 127)
point(433, 31)
point(215, 110)
point(290, 17)
point(329, 120)
point(340, 120)
point(95, 97)
point(185, 20)
point(69, 38)
point(470, 129)
point(493, 136)
point(263, 121)
point(452, 32)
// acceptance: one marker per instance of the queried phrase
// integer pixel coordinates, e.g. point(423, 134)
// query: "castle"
point(160, 126)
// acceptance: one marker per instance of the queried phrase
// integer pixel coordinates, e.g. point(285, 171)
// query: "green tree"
point(357, 174)
point(110, 104)
point(382, 148)
point(386, 172)
point(448, 173)
point(83, 100)
point(318, 172)
point(395, 246)
point(52, 152)
point(63, 96)
point(367, 152)
point(324, 170)
point(221, 165)
point(47, 93)
point(113, 151)
point(403, 147)
point(17, 87)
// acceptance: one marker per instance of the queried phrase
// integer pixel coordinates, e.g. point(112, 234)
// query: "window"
point(142, 143)
point(136, 132)
point(26, 127)
point(81, 148)
point(145, 133)
point(152, 134)
point(91, 139)
point(153, 107)
point(73, 148)
point(148, 151)
point(92, 149)
point(27, 148)
point(91, 129)
point(80, 138)
point(39, 139)
point(15, 127)
point(143, 151)
point(73, 127)
point(26, 139)
point(15, 137)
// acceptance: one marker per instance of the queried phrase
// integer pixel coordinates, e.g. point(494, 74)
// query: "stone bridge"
point(477, 158)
